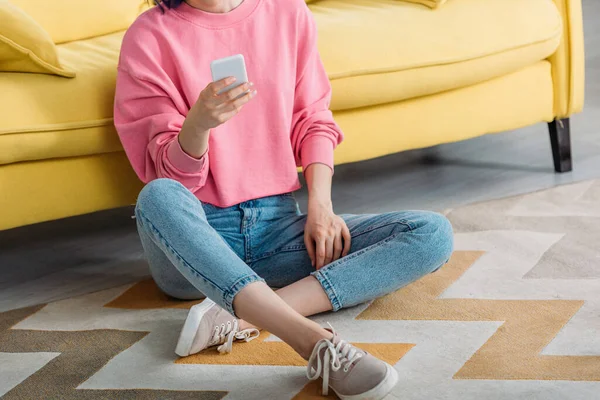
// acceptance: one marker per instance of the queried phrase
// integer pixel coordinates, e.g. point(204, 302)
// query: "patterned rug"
point(514, 315)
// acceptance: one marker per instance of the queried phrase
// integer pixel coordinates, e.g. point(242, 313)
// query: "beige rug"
point(514, 315)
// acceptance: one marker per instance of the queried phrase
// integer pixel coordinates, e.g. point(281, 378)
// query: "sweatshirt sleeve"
point(314, 132)
point(148, 123)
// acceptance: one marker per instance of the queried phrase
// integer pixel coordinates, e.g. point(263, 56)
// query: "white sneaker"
point(209, 325)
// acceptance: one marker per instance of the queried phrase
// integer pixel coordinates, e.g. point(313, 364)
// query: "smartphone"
point(230, 66)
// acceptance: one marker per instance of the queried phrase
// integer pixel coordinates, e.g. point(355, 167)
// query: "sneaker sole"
point(379, 391)
point(190, 327)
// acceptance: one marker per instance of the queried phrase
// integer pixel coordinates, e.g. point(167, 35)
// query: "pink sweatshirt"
point(165, 63)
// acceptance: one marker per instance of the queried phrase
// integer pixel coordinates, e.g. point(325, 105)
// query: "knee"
point(157, 195)
point(442, 235)
point(438, 233)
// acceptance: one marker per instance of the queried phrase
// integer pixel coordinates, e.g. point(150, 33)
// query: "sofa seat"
point(383, 51)
point(375, 52)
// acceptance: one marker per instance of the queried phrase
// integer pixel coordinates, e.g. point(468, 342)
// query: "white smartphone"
point(230, 66)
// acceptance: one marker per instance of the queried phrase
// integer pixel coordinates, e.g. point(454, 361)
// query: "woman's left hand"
point(326, 236)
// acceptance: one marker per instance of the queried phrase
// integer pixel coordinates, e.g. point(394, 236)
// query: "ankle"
point(309, 342)
point(243, 325)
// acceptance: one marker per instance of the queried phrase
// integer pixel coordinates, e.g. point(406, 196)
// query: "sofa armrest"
point(568, 63)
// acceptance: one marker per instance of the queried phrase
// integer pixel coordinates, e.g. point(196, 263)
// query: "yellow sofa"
point(404, 77)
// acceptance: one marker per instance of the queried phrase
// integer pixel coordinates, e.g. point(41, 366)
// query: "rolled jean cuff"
point(241, 283)
point(336, 304)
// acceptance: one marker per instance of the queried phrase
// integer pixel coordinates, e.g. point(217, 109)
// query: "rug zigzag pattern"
point(82, 353)
point(529, 325)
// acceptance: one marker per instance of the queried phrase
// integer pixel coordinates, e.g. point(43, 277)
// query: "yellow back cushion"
point(68, 20)
point(25, 46)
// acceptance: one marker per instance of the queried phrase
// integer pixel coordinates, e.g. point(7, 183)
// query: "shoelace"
point(225, 334)
point(335, 357)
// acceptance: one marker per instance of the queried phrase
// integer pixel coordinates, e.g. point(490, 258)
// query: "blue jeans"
point(196, 249)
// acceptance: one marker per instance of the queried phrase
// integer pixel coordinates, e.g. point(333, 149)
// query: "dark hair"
point(168, 3)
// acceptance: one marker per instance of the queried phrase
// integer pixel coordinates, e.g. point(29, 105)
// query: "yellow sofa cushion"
point(46, 117)
point(24, 45)
point(381, 51)
point(68, 20)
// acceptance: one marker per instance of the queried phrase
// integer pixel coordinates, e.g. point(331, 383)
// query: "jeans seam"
point(404, 222)
point(247, 224)
point(179, 257)
point(282, 250)
point(247, 244)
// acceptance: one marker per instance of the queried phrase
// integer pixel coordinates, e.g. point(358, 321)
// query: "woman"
point(222, 221)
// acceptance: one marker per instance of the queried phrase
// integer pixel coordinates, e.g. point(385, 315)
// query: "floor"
point(60, 259)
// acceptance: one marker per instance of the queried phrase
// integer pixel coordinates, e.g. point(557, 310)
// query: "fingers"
point(218, 109)
point(234, 93)
point(328, 250)
point(347, 240)
point(321, 251)
point(237, 104)
point(310, 248)
point(213, 88)
point(337, 246)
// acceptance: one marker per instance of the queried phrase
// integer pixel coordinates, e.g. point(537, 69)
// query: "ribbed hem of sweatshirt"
point(183, 161)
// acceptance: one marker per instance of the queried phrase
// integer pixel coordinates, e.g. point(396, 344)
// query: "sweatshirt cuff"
point(183, 161)
point(317, 149)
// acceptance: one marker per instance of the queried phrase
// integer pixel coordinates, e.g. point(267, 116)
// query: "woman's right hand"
point(213, 109)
